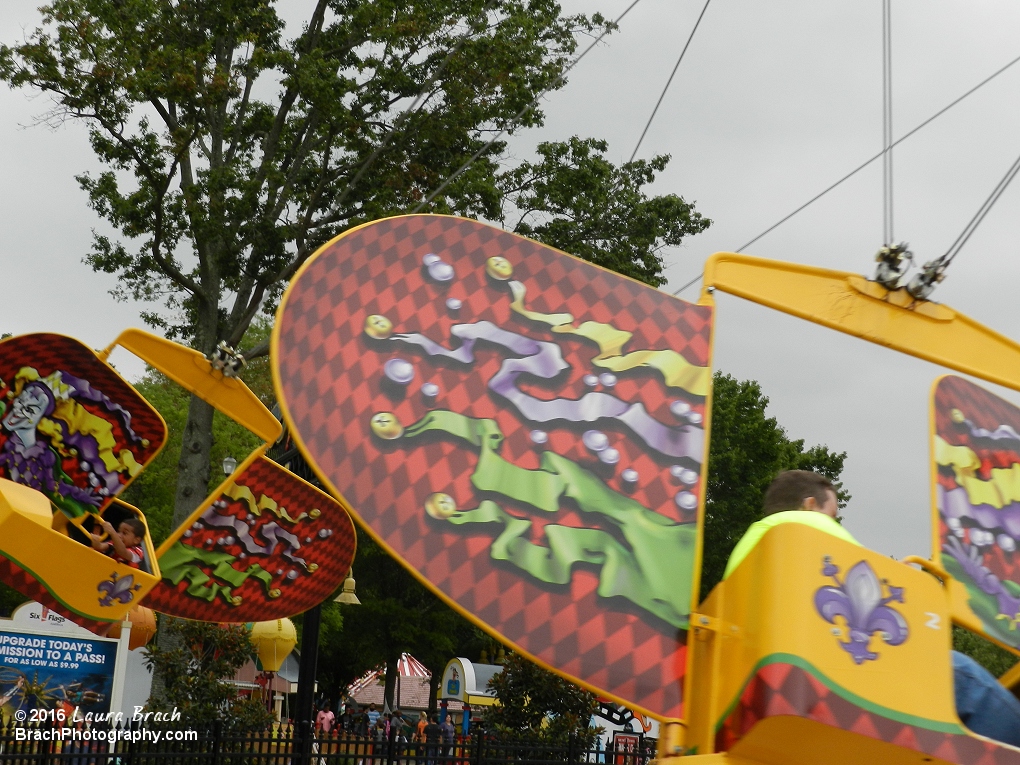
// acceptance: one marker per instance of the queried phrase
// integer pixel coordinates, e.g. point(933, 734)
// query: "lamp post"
point(286, 454)
point(347, 596)
point(229, 465)
point(309, 663)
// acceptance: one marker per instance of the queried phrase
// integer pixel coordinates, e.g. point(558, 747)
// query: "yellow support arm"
point(193, 372)
point(855, 306)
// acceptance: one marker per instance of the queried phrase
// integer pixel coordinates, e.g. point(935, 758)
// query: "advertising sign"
point(57, 672)
point(627, 748)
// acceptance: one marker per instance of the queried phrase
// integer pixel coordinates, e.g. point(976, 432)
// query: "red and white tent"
point(408, 666)
point(412, 691)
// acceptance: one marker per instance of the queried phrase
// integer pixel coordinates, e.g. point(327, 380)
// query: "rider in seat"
point(123, 544)
point(800, 496)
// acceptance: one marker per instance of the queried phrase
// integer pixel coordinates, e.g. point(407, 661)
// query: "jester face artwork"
point(524, 430)
point(976, 449)
point(70, 426)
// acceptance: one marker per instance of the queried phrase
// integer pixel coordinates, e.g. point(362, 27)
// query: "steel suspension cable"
point(924, 282)
point(887, 124)
point(865, 164)
point(669, 81)
point(979, 216)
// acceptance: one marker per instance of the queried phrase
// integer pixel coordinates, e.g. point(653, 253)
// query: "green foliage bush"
point(195, 660)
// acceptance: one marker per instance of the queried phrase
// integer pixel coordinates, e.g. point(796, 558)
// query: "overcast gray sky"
point(772, 103)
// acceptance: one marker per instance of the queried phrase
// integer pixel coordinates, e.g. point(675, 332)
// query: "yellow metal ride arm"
point(851, 304)
point(193, 372)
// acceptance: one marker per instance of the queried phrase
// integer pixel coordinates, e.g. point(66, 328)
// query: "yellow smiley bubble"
point(386, 425)
point(440, 506)
point(498, 268)
point(378, 327)
point(957, 416)
point(275, 592)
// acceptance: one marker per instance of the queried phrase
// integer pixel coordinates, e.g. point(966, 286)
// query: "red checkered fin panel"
point(453, 351)
point(267, 546)
point(17, 578)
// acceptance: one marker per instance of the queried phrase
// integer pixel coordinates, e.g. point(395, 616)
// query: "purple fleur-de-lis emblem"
point(859, 600)
point(118, 589)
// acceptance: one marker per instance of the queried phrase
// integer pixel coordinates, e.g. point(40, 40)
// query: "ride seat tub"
point(81, 579)
point(817, 650)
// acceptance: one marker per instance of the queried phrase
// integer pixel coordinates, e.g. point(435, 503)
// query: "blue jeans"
point(983, 704)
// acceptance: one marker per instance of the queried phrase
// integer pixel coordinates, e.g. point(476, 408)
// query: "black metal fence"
point(293, 745)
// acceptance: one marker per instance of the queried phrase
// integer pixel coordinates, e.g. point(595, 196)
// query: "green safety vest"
point(757, 530)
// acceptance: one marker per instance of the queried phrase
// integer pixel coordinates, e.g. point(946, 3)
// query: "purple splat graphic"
point(970, 559)
point(115, 589)
point(859, 600)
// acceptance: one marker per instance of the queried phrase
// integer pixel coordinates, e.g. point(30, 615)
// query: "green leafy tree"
point(534, 702)
point(194, 666)
point(996, 660)
point(576, 200)
point(9, 600)
point(747, 450)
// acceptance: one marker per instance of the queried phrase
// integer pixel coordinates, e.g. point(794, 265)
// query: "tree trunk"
point(193, 465)
point(164, 640)
point(434, 681)
point(192, 487)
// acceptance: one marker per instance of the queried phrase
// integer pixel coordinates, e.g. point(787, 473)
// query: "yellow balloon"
point(386, 426)
point(378, 327)
point(440, 506)
point(499, 268)
point(274, 640)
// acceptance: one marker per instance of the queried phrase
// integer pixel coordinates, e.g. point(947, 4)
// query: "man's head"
point(801, 490)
